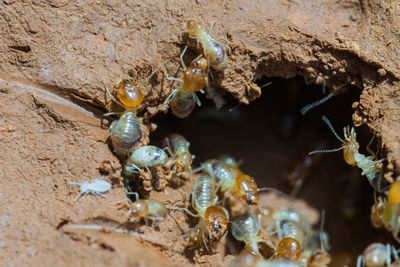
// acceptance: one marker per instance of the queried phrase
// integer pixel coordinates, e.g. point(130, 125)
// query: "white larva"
point(95, 187)
point(145, 156)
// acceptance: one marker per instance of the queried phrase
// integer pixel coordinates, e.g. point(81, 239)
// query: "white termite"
point(95, 187)
point(145, 156)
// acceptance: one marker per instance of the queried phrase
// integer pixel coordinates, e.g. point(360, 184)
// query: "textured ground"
point(57, 57)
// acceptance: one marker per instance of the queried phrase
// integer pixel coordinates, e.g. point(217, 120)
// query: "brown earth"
point(57, 57)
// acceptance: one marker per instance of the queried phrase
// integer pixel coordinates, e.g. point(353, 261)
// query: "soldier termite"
point(145, 156)
point(126, 132)
point(352, 157)
point(178, 147)
point(195, 78)
point(214, 52)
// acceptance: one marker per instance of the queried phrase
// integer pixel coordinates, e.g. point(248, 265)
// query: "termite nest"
point(227, 156)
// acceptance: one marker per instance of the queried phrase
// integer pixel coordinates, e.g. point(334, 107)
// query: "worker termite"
point(246, 228)
point(195, 78)
point(376, 255)
point(231, 180)
point(146, 209)
point(213, 222)
point(391, 211)
point(145, 156)
point(377, 212)
point(178, 147)
point(352, 157)
point(315, 254)
point(214, 52)
point(126, 132)
point(292, 227)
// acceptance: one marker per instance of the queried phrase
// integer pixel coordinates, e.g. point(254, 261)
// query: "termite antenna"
point(265, 85)
point(310, 106)
point(326, 120)
point(325, 151)
point(276, 191)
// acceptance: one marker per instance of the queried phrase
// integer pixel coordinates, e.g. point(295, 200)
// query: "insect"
point(195, 78)
point(178, 147)
point(292, 227)
point(351, 155)
point(376, 255)
point(391, 211)
point(245, 228)
point(213, 222)
point(213, 51)
point(126, 132)
point(147, 209)
point(145, 156)
point(377, 212)
point(95, 187)
point(231, 180)
point(315, 254)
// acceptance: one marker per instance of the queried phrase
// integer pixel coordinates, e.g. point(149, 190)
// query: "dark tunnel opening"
point(270, 133)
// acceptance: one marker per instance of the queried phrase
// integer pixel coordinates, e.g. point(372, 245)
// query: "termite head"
point(193, 27)
point(183, 162)
point(129, 94)
point(216, 218)
point(138, 209)
point(350, 146)
point(246, 189)
point(288, 248)
point(195, 77)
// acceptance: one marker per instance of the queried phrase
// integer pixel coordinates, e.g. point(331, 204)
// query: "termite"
point(145, 156)
point(213, 51)
point(292, 227)
point(213, 222)
point(391, 211)
point(231, 180)
point(352, 156)
point(315, 254)
point(147, 209)
point(246, 228)
point(178, 147)
point(376, 255)
point(126, 132)
point(195, 78)
point(377, 212)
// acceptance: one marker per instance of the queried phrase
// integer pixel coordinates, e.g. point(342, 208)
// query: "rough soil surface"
point(57, 57)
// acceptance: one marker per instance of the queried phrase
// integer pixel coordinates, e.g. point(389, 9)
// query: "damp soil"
point(57, 57)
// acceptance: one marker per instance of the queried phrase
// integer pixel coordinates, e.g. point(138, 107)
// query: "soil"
point(57, 58)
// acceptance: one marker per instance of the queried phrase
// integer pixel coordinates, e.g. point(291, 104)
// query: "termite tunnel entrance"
point(270, 133)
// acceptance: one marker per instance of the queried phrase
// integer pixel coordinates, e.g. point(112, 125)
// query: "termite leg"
point(181, 58)
point(196, 99)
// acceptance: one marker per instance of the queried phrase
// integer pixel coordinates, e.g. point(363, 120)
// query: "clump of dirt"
point(53, 77)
